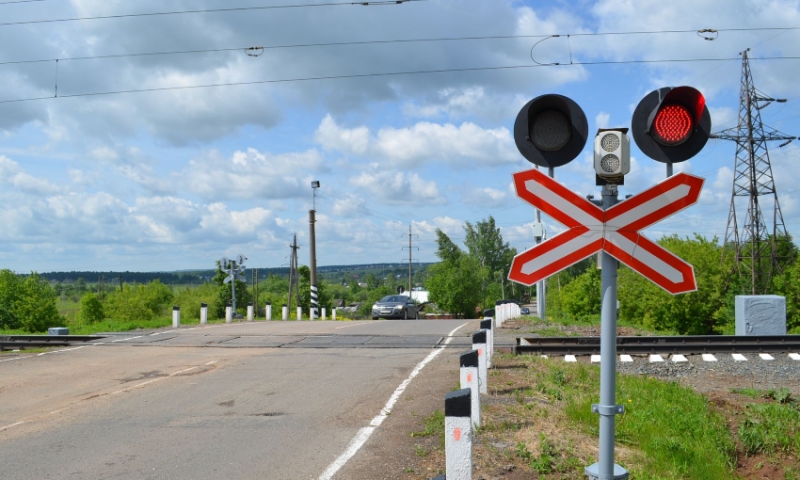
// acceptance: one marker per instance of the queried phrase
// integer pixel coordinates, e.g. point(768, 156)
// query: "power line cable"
point(375, 75)
point(210, 10)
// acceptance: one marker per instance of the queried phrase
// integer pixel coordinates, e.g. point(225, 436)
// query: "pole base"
point(593, 472)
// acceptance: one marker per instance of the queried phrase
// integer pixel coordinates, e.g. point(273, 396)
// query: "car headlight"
point(374, 307)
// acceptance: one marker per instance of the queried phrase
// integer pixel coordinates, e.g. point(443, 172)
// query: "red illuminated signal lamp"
point(671, 125)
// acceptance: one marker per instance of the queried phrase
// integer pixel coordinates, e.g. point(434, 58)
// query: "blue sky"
point(176, 179)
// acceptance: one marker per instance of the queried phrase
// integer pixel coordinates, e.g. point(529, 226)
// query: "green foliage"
point(455, 285)
point(788, 285)
point(189, 299)
point(483, 241)
point(139, 302)
point(91, 310)
point(305, 290)
point(373, 296)
point(27, 303)
point(580, 298)
point(771, 428)
point(706, 311)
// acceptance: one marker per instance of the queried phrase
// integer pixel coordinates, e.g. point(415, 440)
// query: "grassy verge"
point(538, 417)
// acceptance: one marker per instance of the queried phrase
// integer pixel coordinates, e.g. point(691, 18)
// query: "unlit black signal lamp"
point(671, 124)
point(551, 130)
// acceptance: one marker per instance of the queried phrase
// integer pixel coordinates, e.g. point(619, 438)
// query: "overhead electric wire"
point(377, 74)
point(211, 10)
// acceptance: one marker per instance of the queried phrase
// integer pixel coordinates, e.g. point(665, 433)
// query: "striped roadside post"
point(469, 380)
point(285, 312)
point(333, 314)
point(249, 311)
point(299, 313)
point(324, 313)
point(176, 316)
point(479, 344)
point(312, 314)
point(486, 324)
point(203, 313)
point(268, 311)
point(458, 435)
point(228, 313)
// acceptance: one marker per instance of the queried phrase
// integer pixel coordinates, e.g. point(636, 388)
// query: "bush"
point(90, 310)
point(189, 299)
point(28, 303)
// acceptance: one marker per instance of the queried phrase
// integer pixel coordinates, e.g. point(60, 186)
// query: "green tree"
point(455, 285)
point(580, 298)
point(484, 241)
point(157, 297)
point(788, 285)
point(305, 290)
point(28, 303)
point(705, 311)
point(128, 304)
point(189, 300)
point(90, 310)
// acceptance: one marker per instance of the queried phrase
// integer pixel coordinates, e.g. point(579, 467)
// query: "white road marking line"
point(656, 358)
point(707, 357)
point(766, 356)
point(13, 359)
point(738, 357)
point(2, 429)
point(678, 358)
point(58, 351)
point(364, 433)
point(626, 358)
point(126, 339)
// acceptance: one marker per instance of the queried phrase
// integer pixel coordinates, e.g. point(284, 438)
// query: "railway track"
point(685, 345)
point(21, 342)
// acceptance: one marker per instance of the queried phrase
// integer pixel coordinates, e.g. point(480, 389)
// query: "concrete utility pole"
point(293, 272)
point(410, 259)
point(313, 252)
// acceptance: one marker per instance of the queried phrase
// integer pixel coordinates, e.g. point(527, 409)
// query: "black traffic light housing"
point(671, 124)
point(551, 130)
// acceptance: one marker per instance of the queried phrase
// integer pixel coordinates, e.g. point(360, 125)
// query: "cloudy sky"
point(155, 160)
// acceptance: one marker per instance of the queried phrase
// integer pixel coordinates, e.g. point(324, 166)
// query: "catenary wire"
point(374, 75)
point(211, 10)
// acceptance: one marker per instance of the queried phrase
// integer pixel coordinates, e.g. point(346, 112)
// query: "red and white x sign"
point(616, 230)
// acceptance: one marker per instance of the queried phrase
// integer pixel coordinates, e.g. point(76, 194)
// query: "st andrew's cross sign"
point(615, 231)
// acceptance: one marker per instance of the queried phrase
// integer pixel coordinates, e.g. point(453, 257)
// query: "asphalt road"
point(278, 400)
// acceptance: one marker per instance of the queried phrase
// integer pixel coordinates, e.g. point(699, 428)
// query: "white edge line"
point(364, 433)
point(64, 350)
point(2, 429)
point(126, 339)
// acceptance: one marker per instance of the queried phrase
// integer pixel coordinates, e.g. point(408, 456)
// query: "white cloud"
point(399, 188)
point(424, 142)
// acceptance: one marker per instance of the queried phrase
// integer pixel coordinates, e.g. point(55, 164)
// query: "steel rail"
point(20, 342)
point(661, 345)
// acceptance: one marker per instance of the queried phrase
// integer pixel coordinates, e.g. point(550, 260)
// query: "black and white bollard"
point(324, 313)
point(203, 313)
point(299, 313)
point(469, 379)
point(479, 344)
point(249, 311)
point(176, 317)
point(268, 311)
point(486, 324)
point(458, 435)
point(285, 313)
point(228, 313)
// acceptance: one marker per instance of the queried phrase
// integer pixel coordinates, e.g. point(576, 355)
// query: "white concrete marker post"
point(203, 313)
point(268, 311)
point(486, 324)
point(479, 344)
point(285, 313)
point(176, 317)
point(458, 435)
point(469, 379)
point(299, 313)
point(333, 314)
point(228, 313)
point(249, 311)
point(324, 314)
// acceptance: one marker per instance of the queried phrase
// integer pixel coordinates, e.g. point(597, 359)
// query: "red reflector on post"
point(672, 125)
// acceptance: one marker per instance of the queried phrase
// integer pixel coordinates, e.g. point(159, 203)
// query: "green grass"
point(675, 431)
point(771, 428)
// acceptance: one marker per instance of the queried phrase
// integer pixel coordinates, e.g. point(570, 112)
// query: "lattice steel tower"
point(757, 246)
